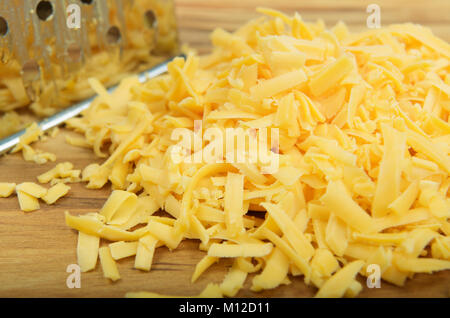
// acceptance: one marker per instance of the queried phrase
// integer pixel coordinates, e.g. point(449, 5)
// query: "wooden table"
point(198, 17)
point(37, 247)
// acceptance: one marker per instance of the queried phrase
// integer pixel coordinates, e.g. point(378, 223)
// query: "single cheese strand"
point(288, 175)
point(313, 50)
point(6, 189)
point(440, 250)
point(274, 273)
point(27, 202)
point(389, 177)
point(233, 281)
point(382, 257)
point(420, 265)
point(95, 227)
point(87, 251)
point(123, 249)
point(173, 206)
point(119, 207)
point(393, 220)
point(354, 289)
point(281, 83)
point(338, 200)
point(32, 189)
point(329, 76)
point(319, 227)
point(164, 233)
point(356, 97)
point(403, 203)
point(336, 235)
point(394, 276)
point(108, 264)
point(58, 171)
point(55, 193)
point(144, 252)
point(245, 264)
point(324, 262)
point(295, 237)
point(336, 286)
point(152, 174)
point(381, 238)
point(425, 146)
point(234, 196)
point(299, 262)
point(119, 174)
point(202, 266)
point(32, 134)
point(199, 230)
point(417, 241)
point(331, 147)
point(241, 250)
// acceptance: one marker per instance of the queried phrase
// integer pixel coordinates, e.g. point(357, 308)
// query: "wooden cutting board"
point(37, 247)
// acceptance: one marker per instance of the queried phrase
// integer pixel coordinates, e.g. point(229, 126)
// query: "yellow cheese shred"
point(144, 252)
point(32, 189)
point(109, 266)
point(27, 202)
point(233, 281)
point(32, 134)
point(122, 249)
point(337, 285)
point(274, 273)
point(62, 171)
point(55, 193)
point(202, 266)
point(239, 250)
point(87, 251)
point(7, 189)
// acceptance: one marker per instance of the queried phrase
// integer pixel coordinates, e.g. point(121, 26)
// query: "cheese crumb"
point(7, 189)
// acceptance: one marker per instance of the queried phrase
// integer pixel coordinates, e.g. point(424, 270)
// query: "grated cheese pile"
point(363, 177)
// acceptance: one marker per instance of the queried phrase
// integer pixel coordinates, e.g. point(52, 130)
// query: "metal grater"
point(48, 48)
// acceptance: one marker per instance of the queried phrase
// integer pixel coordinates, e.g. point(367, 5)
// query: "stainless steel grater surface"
point(49, 48)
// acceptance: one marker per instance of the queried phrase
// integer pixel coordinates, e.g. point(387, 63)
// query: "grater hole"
point(30, 71)
point(3, 26)
point(87, 1)
point(44, 10)
point(113, 35)
point(150, 19)
point(74, 52)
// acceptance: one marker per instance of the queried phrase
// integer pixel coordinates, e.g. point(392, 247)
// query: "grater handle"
point(7, 143)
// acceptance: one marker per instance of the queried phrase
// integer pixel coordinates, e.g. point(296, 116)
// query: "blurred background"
point(196, 18)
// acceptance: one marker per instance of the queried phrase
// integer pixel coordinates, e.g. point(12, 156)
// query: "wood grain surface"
point(37, 247)
point(196, 18)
